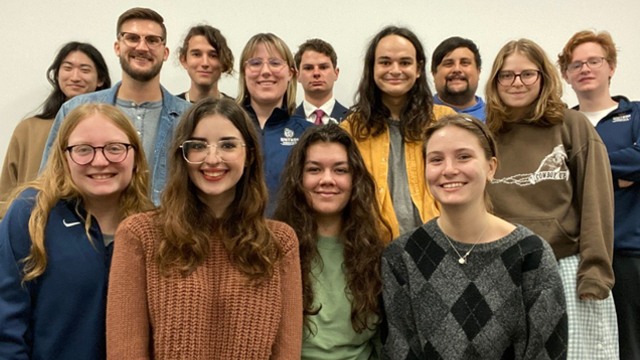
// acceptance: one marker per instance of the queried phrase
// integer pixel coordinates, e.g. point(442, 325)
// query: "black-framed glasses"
point(196, 151)
point(275, 64)
point(83, 154)
point(133, 39)
point(592, 63)
point(527, 77)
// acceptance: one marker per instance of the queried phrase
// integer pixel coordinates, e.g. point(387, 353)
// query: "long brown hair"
point(188, 224)
point(359, 234)
point(370, 114)
point(546, 110)
point(55, 183)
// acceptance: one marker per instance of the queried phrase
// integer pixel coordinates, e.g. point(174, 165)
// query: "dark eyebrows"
point(337, 163)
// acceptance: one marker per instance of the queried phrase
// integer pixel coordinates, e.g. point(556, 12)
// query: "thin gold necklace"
point(463, 259)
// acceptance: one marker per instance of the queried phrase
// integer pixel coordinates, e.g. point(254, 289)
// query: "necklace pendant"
point(462, 261)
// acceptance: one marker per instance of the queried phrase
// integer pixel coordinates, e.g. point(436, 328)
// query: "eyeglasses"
point(133, 39)
point(527, 77)
point(196, 151)
point(592, 63)
point(255, 64)
point(84, 154)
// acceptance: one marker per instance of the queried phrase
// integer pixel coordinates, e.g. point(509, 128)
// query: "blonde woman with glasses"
point(206, 276)
point(555, 179)
point(268, 94)
point(57, 238)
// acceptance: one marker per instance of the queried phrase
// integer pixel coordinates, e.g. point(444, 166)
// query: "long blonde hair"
point(546, 110)
point(273, 44)
point(55, 184)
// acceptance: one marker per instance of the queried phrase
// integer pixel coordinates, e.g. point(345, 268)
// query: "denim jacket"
point(172, 109)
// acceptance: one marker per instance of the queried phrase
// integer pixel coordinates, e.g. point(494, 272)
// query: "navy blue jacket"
point(620, 132)
point(60, 314)
point(280, 133)
point(339, 112)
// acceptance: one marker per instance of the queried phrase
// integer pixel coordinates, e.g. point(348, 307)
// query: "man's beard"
point(142, 76)
point(459, 97)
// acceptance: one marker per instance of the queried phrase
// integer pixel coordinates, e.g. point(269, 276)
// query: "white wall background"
point(31, 32)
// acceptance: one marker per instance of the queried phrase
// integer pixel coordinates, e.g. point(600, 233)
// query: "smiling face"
point(77, 75)
point(396, 69)
point(267, 85)
point(214, 179)
point(317, 74)
point(519, 96)
point(327, 179)
point(457, 76)
point(141, 63)
point(457, 169)
point(202, 62)
point(100, 179)
point(588, 80)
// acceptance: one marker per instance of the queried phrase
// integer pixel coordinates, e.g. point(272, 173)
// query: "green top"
point(334, 336)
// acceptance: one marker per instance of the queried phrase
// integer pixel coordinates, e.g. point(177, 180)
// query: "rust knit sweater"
point(213, 313)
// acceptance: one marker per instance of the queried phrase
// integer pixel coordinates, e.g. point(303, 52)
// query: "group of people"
point(409, 226)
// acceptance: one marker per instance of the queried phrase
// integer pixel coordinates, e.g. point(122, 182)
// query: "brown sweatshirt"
point(213, 313)
point(557, 182)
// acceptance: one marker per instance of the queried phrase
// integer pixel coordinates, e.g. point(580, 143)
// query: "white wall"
point(32, 31)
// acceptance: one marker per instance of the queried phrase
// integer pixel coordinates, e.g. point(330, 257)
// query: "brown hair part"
point(189, 224)
point(479, 130)
point(319, 46)
point(215, 39)
point(360, 232)
point(546, 110)
point(139, 13)
point(602, 38)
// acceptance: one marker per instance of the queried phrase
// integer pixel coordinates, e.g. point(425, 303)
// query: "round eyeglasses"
point(133, 39)
point(196, 151)
point(592, 63)
point(84, 154)
point(255, 64)
point(527, 77)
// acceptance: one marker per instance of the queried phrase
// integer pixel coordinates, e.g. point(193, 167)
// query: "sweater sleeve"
point(128, 327)
point(53, 134)
point(15, 300)
point(594, 194)
point(9, 175)
point(543, 295)
point(288, 342)
point(402, 335)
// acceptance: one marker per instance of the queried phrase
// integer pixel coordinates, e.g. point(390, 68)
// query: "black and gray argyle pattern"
point(507, 302)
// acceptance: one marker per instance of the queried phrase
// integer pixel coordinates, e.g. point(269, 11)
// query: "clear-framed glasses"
point(133, 39)
point(527, 77)
point(84, 154)
point(255, 64)
point(592, 63)
point(196, 151)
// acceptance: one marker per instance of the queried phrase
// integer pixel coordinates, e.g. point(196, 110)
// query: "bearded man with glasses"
point(588, 63)
point(141, 47)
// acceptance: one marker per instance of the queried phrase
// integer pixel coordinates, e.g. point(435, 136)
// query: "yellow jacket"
point(375, 152)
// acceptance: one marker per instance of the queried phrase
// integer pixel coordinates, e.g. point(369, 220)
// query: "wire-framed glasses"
point(133, 39)
point(196, 151)
point(83, 154)
point(592, 63)
point(527, 77)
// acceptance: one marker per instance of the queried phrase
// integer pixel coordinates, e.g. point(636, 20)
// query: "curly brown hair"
point(188, 224)
point(360, 232)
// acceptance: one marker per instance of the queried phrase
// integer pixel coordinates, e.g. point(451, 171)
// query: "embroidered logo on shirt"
point(552, 167)
point(65, 223)
point(288, 139)
point(622, 118)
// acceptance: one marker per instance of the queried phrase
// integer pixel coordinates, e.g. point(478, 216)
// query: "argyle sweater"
point(506, 302)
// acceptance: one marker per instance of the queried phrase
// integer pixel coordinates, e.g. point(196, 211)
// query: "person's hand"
point(588, 297)
point(624, 183)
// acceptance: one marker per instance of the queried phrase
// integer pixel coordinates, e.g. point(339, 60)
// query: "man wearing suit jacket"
point(316, 62)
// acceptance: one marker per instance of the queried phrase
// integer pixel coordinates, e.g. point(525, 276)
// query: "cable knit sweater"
point(213, 313)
